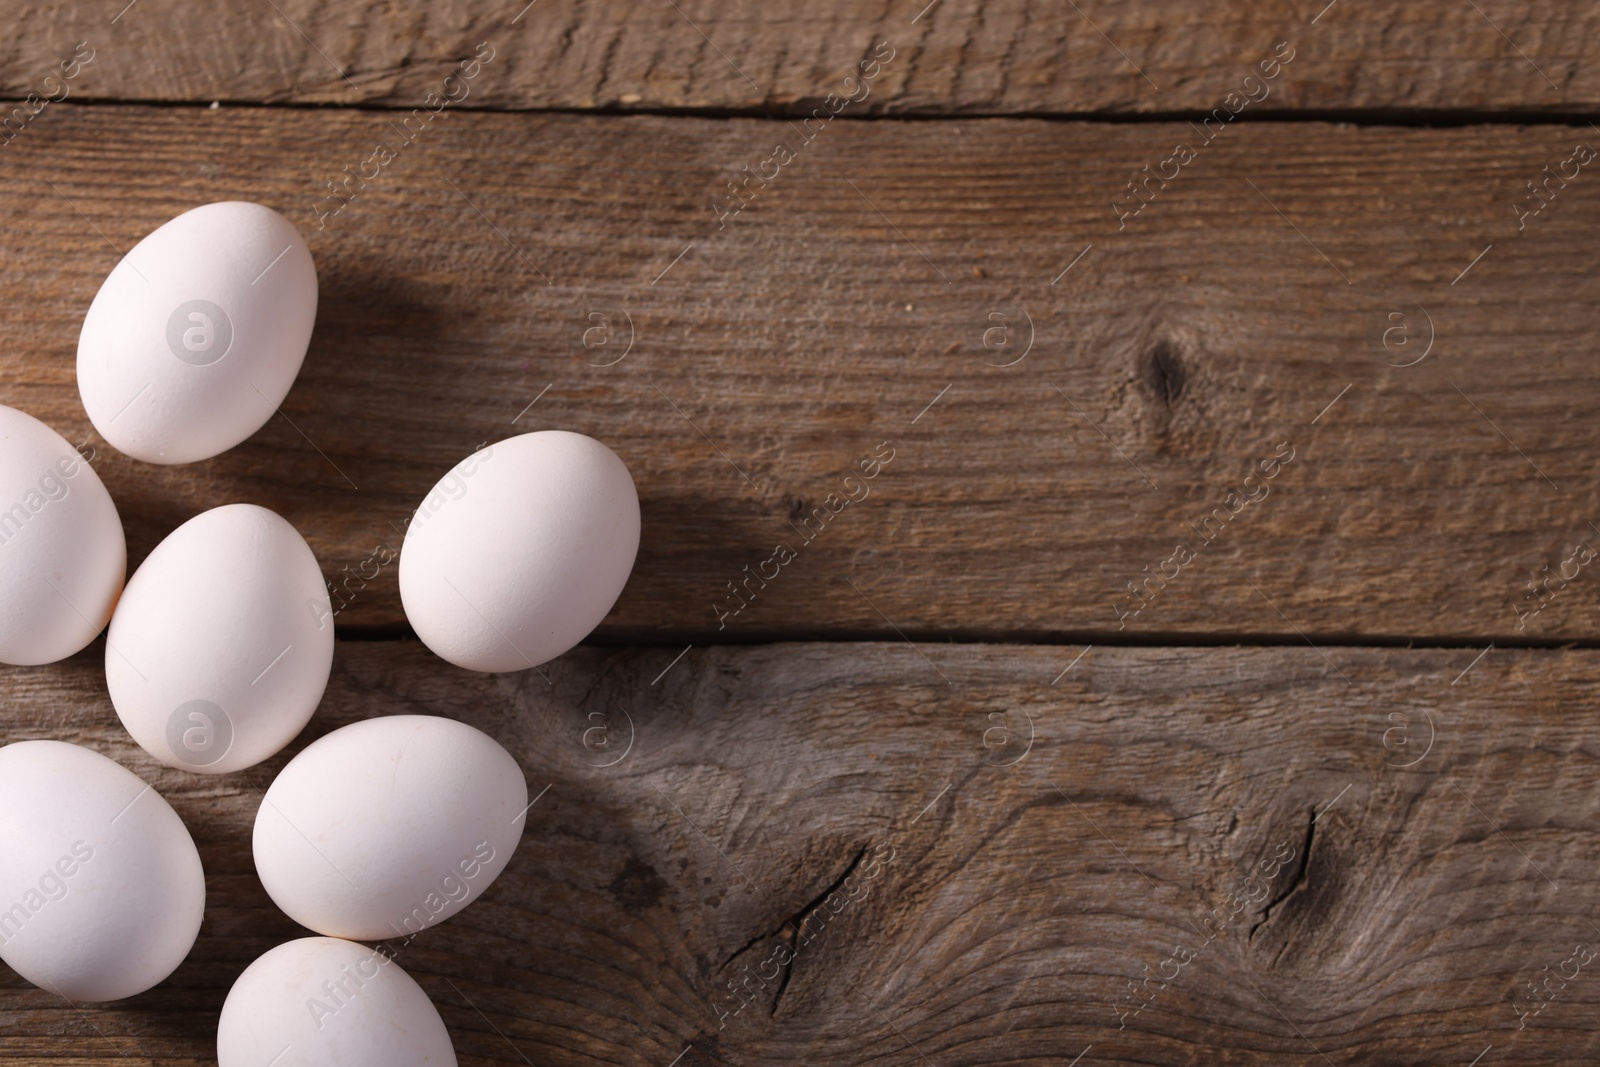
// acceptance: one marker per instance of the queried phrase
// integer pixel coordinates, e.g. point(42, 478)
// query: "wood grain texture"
point(1040, 845)
point(880, 295)
point(954, 56)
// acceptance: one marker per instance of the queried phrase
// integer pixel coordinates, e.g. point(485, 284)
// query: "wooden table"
point(1207, 675)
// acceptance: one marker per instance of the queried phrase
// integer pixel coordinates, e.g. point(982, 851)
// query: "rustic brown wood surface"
point(1015, 56)
point(1156, 421)
point(1019, 852)
point(882, 294)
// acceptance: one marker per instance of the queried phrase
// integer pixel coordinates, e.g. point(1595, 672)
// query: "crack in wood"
point(788, 931)
point(797, 922)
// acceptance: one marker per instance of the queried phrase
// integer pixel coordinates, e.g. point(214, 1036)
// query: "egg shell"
point(520, 551)
point(220, 648)
point(101, 891)
point(387, 826)
point(62, 551)
point(198, 332)
point(323, 1002)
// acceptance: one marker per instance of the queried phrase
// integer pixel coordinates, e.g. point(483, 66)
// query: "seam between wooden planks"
point(1404, 118)
point(675, 638)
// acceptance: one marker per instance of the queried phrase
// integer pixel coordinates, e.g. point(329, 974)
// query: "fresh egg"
point(520, 551)
point(323, 1002)
point(197, 334)
point(101, 891)
point(62, 553)
point(220, 648)
point(387, 826)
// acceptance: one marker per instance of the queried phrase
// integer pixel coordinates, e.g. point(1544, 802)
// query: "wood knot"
point(637, 887)
point(1164, 373)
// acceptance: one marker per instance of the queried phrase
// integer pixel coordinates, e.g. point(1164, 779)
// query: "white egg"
point(220, 648)
point(62, 553)
point(387, 826)
point(323, 1002)
point(101, 891)
point(197, 334)
point(520, 551)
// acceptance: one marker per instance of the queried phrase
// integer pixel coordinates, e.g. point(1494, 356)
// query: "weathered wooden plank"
point(1007, 855)
point(951, 56)
point(878, 297)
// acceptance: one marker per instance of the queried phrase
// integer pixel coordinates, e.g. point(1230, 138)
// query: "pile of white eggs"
point(219, 648)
